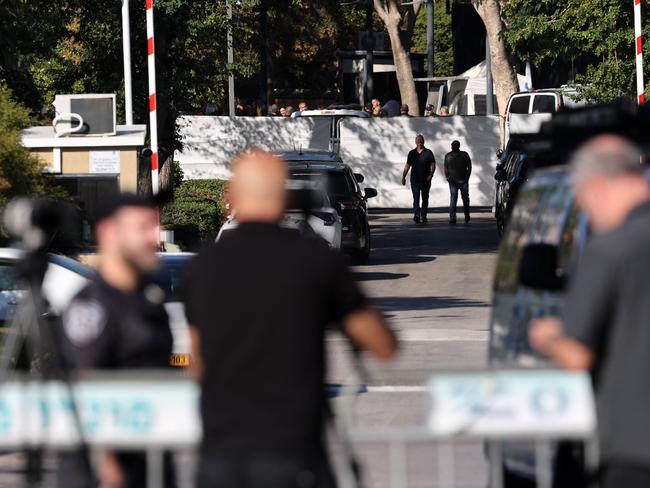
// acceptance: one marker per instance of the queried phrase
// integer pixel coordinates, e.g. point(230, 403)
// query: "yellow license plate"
point(179, 360)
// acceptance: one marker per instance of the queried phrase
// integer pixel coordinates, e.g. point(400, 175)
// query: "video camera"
point(567, 130)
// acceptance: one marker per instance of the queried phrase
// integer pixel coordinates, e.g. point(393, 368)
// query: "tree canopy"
point(596, 36)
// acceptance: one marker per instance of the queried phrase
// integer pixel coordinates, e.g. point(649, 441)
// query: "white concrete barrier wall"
point(378, 149)
point(375, 147)
point(210, 143)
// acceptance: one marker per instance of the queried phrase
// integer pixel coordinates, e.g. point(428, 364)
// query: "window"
point(519, 104)
point(336, 181)
point(8, 278)
point(544, 104)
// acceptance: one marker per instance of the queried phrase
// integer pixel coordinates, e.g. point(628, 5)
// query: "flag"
point(528, 82)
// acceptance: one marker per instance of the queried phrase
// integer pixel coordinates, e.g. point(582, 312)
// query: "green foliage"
point(196, 213)
point(598, 35)
point(21, 174)
point(442, 39)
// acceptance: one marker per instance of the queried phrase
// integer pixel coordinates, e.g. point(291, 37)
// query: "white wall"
point(375, 147)
point(378, 149)
point(210, 143)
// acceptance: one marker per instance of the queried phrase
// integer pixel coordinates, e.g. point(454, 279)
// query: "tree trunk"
point(390, 15)
point(503, 73)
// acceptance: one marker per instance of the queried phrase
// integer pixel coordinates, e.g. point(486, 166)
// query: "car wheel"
point(361, 256)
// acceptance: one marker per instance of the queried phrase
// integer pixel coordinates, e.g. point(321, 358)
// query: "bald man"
point(258, 303)
point(605, 325)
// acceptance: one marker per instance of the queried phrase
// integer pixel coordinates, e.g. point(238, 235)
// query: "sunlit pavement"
point(433, 282)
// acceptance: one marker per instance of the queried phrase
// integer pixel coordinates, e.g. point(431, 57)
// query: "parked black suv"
point(344, 192)
point(511, 174)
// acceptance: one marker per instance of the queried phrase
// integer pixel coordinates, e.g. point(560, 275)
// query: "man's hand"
point(543, 333)
point(403, 180)
point(546, 336)
point(110, 472)
point(429, 178)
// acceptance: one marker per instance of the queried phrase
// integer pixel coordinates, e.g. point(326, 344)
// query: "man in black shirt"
point(422, 164)
point(458, 168)
point(258, 303)
point(119, 322)
point(605, 321)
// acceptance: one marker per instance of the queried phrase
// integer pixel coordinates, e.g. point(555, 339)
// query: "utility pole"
point(231, 76)
point(430, 47)
point(126, 53)
point(370, 47)
point(489, 88)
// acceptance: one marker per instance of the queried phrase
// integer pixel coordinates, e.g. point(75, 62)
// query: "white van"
point(526, 111)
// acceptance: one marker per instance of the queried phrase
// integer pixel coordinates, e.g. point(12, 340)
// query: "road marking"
point(434, 335)
point(397, 389)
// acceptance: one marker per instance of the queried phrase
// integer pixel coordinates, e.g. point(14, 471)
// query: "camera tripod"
point(34, 343)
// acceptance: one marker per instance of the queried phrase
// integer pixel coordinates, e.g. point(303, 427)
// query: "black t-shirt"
point(420, 164)
point(261, 299)
point(607, 309)
point(110, 329)
point(458, 166)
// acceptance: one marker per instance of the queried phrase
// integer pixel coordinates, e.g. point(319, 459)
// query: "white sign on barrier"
point(530, 403)
point(125, 413)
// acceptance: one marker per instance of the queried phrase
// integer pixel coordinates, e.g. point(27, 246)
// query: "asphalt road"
point(433, 283)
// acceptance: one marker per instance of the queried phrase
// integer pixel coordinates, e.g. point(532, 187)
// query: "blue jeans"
point(420, 188)
point(453, 200)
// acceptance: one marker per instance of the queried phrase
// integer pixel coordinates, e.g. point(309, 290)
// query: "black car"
point(344, 192)
point(511, 174)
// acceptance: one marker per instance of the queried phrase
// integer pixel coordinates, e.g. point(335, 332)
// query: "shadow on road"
point(378, 275)
point(424, 303)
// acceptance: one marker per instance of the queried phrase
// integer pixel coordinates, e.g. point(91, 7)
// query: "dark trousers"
point(264, 470)
point(453, 198)
point(420, 189)
point(619, 475)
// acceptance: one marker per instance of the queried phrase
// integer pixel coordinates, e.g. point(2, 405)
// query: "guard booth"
point(89, 167)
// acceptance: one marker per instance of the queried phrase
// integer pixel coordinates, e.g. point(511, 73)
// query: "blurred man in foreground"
point(605, 326)
point(258, 303)
point(118, 322)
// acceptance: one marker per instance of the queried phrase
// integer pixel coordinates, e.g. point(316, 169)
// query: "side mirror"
point(539, 268)
point(369, 193)
point(499, 153)
point(359, 177)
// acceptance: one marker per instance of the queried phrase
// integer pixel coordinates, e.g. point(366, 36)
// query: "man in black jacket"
point(458, 168)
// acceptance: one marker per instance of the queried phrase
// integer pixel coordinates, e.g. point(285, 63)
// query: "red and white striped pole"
point(153, 122)
point(640, 86)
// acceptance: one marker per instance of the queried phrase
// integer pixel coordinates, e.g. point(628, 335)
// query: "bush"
point(196, 212)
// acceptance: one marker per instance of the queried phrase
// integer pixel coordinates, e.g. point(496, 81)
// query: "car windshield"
point(335, 181)
point(304, 199)
point(8, 278)
point(170, 275)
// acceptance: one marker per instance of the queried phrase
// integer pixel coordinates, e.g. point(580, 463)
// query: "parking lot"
point(433, 282)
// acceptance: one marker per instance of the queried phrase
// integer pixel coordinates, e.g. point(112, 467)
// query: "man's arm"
point(368, 330)
point(432, 168)
point(407, 167)
point(547, 337)
point(469, 166)
point(196, 360)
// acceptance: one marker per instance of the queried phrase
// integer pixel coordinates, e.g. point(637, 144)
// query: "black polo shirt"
point(420, 164)
point(261, 299)
point(608, 309)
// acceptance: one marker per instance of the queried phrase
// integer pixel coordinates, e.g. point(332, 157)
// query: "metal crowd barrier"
point(157, 412)
point(492, 407)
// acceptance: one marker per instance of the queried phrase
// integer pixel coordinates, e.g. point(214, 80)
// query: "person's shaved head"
point(257, 189)
point(606, 155)
point(608, 180)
